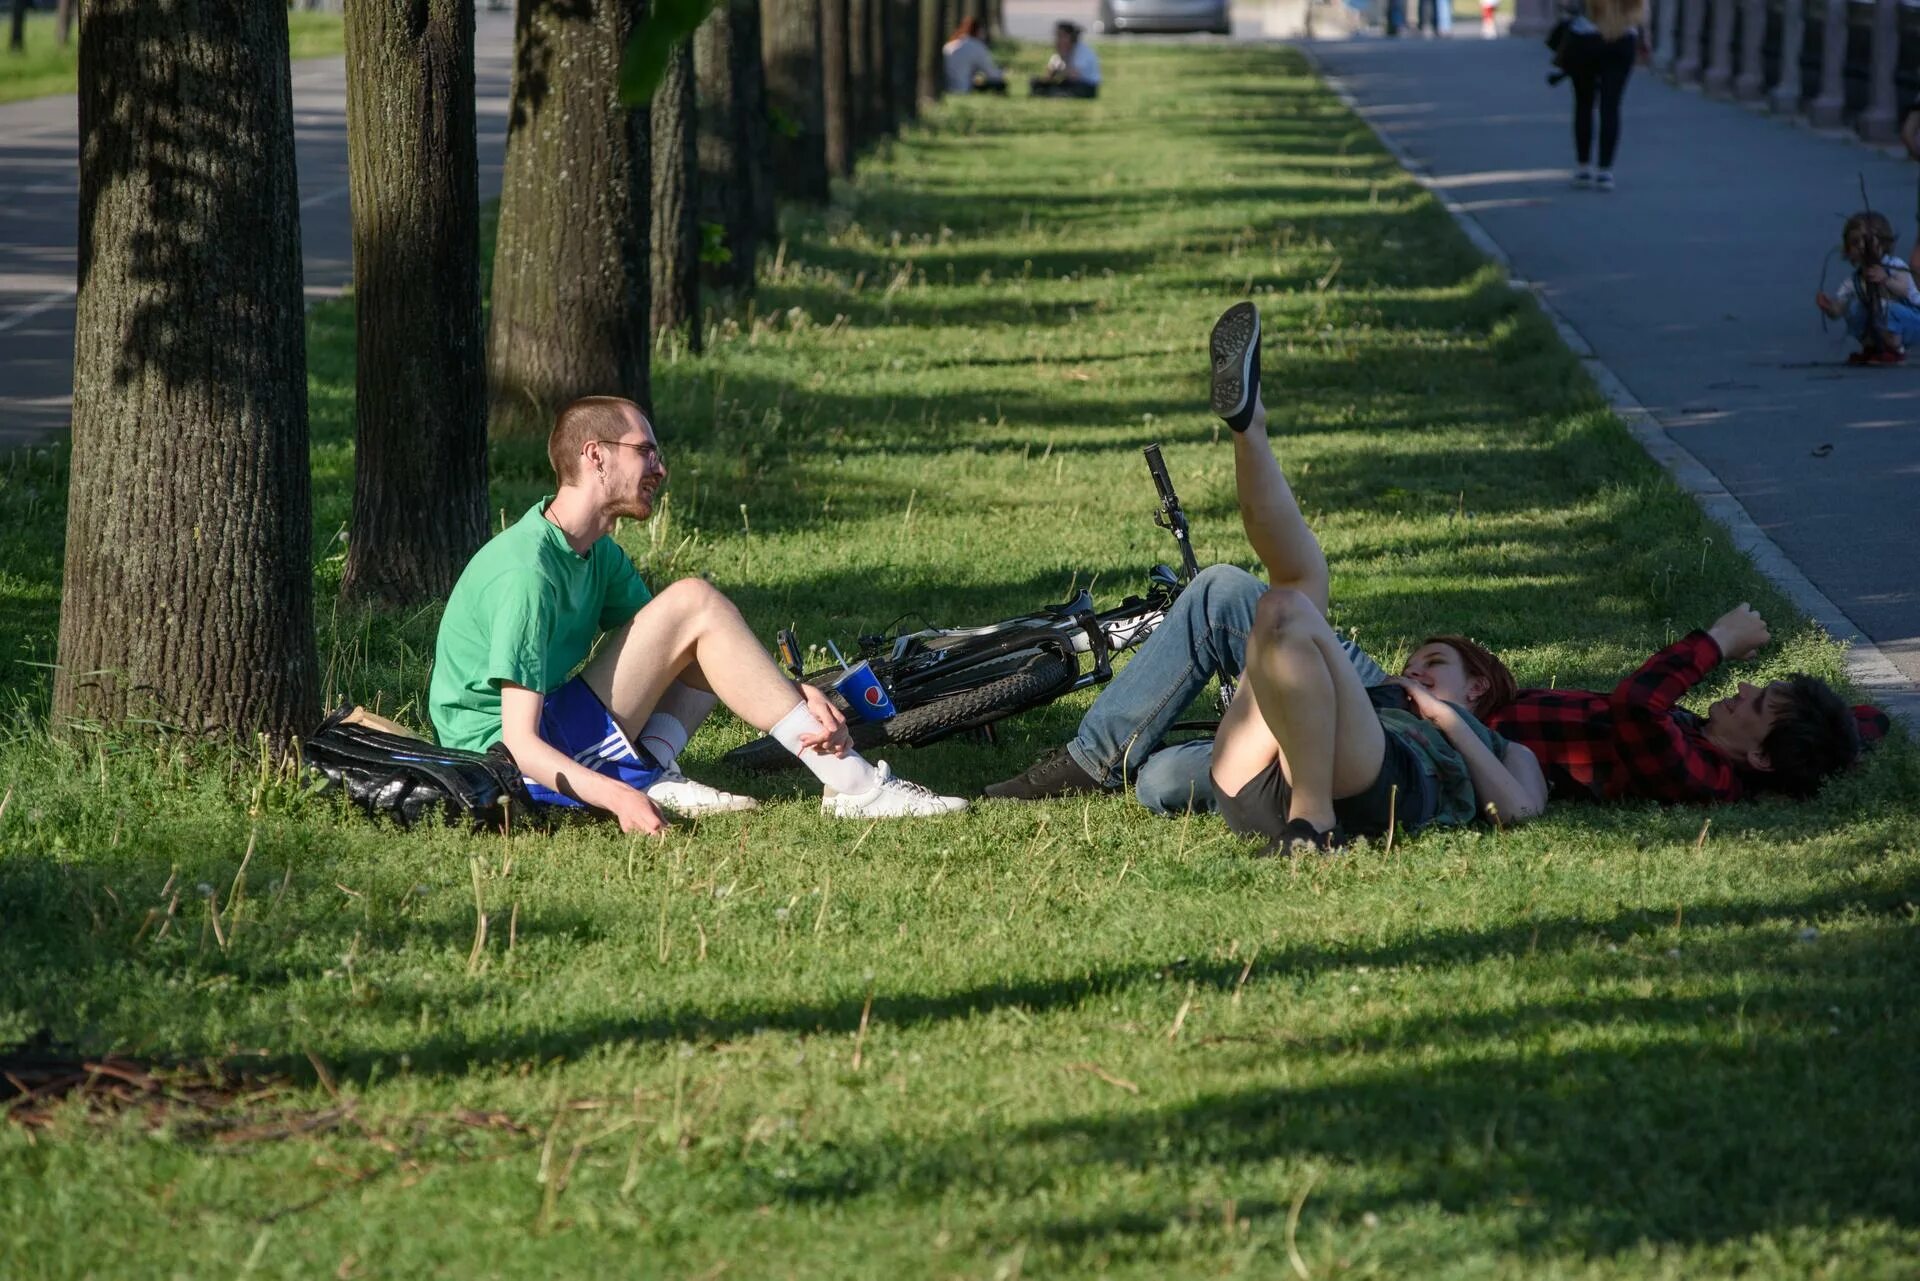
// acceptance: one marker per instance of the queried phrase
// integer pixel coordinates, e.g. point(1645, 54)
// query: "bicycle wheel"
point(1040, 679)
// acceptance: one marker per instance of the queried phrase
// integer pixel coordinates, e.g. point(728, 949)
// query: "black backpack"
point(403, 777)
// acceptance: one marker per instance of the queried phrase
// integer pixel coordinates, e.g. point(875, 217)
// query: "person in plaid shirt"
point(1636, 741)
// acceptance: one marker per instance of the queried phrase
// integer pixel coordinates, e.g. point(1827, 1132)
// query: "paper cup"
point(864, 693)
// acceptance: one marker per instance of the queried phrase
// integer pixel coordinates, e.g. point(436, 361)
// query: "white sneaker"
point(675, 791)
point(1603, 180)
point(1583, 178)
point(891, 798)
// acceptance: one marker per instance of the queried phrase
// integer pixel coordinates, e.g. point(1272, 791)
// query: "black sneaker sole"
point(1234, 348)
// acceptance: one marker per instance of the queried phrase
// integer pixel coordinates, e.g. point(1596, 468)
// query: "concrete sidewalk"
point(1693, 284)
point(39, 217)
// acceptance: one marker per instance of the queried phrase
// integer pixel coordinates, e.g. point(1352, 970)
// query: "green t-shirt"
point(1456, 807)
point(526, 610)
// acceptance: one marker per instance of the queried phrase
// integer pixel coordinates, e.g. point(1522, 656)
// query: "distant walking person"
point(969, 66)
point(1603, 44)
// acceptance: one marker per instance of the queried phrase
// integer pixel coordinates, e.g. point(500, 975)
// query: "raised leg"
point(689, 625)
point(1271, 516)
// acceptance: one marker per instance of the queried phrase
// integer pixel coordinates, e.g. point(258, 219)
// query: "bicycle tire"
point(1043, 678)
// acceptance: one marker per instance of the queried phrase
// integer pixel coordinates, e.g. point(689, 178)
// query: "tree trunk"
point(188, 594)
point(420, 440)
point(860, 56)
point(933, 34)
point(732, 108)
point(676, 201)
point(903, 63)
point(790, 48)
point(879, 74)
point(836, 94)
point(17, 39)
point(63, 23)
point(570, 260)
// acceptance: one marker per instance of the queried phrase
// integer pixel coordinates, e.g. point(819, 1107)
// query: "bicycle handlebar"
point(1170, 517)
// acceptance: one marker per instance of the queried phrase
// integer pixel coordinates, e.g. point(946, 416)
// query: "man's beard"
point(638, 507)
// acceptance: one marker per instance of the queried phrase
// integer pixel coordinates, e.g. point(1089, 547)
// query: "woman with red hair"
point(967, 64)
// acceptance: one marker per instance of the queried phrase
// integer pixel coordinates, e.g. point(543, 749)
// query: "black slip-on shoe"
point(1055, 774)
point(1235, 351)
point(1301, 837)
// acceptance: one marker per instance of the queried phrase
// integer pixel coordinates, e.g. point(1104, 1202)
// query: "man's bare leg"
point(691, 635)
point(689, 625)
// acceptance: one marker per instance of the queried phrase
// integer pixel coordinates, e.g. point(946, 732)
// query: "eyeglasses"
point(646, 447)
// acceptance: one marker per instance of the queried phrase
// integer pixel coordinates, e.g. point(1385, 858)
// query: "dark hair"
point(1814, 734)
point(1480, 662)
point(1071, 30)
point(1867, 235)
point(969, 26)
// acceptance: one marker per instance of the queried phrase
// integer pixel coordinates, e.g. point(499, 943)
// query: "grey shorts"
point(1403, 793)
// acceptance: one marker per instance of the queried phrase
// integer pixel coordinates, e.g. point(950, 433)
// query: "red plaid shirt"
point(1635, 741)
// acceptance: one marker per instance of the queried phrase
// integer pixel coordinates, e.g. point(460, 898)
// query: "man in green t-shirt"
point(529, 607)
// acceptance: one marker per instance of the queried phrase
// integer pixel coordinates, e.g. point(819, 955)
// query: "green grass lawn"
point(44, 68)
point(1065, 1040)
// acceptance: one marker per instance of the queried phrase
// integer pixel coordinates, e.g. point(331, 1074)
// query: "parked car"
point(1166, 15)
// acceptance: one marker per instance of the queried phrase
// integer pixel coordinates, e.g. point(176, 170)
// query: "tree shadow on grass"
point(1696, 1121)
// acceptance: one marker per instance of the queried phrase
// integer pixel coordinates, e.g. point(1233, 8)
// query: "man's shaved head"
point(588, 418)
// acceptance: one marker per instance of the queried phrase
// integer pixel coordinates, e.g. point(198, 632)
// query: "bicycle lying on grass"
point(943, 681)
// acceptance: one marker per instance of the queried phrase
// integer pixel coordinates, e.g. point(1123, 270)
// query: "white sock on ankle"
point(848, 775)
point(663, 738)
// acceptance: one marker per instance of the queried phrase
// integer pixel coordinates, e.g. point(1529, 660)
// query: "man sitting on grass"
point(529, 606)
point(1631, 742)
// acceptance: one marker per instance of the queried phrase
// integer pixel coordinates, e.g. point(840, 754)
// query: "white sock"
point(848, 775)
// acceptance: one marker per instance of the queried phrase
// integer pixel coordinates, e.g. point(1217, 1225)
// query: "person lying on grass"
point(528, 607)
point(1631, 742)
point(1308, 755)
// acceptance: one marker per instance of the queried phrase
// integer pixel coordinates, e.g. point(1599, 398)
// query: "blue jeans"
point(1204, 636)
point(1902, 320)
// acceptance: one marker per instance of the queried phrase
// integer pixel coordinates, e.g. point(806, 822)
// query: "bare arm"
point(1515, 789)
point(545, 764)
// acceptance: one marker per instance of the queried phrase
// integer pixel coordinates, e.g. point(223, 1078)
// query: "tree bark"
point(63, 23)
point(17, 38)
point(790, 48)
point(903, 63)
point(732, 110)
point(570, 269)
point(836, 94)
point(933, 34)
point(420, 439)
point(188, 592)
point(861, 55)
point(676, 201)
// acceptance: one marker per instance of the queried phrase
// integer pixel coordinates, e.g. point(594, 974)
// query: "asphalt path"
point(1693, 283)
point(39, 217)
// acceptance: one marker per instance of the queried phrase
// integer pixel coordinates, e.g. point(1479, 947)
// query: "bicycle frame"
point(917, 667)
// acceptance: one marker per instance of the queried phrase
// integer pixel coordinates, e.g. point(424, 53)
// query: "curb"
point(1873, 674)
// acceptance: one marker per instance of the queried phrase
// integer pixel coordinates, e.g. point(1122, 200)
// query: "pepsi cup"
point(864, 693)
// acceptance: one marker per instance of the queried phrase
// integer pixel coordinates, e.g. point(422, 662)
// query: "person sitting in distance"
point(967, 64)
point(530, 604)
point(1073, 71)
point(1879, 301)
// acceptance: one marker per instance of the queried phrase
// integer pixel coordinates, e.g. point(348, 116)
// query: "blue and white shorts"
point(575, 721)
